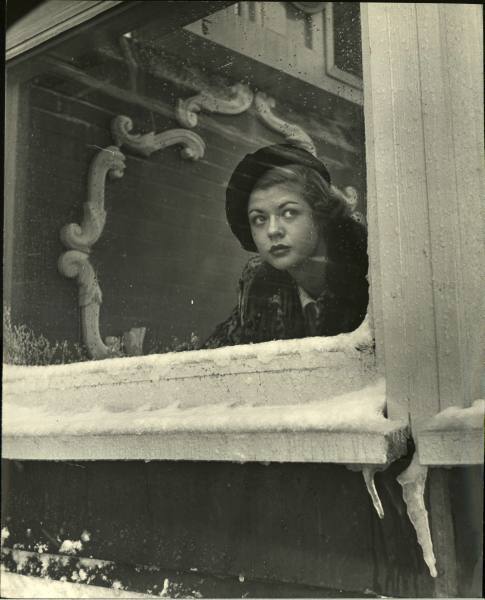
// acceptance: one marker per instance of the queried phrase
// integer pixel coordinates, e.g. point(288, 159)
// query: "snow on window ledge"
point(316, 399)
point(455, 436)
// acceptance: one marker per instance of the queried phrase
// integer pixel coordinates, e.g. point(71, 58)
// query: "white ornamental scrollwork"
point(79, 238)
point(240, 100)
point(75, 264)
point(148, 143)
point(293, 133)
point(110, 161)
point(351, 197)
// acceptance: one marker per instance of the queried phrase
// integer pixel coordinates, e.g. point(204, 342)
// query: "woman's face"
point(283, 227)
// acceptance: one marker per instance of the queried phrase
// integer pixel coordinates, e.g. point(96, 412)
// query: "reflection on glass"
point(243, 79)
point(347, 38)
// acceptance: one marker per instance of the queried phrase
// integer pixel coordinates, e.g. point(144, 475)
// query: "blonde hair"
point(326, 204)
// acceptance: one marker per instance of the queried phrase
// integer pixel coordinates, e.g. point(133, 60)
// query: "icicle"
point(368, 472)
point(413, 482)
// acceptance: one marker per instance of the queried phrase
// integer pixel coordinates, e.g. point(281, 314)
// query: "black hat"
point(246, 174)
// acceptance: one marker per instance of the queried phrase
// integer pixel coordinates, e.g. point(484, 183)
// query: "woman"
point(310, 275)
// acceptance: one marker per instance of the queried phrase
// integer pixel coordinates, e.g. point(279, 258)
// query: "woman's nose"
point(275, 228)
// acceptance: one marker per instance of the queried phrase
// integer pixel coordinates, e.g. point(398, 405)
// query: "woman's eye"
point(289, 213)
point(258, 220)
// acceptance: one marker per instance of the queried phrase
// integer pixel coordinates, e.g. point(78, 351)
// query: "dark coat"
point(269, 306)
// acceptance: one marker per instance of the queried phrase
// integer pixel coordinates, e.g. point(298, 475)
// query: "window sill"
point(344, 447)
point(315, 400)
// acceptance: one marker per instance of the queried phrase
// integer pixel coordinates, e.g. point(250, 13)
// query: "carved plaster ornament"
point(148, 143)
point(310, 8)
point(350, 195)
point(79, 238)
point(75, 264)
point(413, 482)
point(293, 133)
point(186, 110)
point(110, 161)
point(358, 216)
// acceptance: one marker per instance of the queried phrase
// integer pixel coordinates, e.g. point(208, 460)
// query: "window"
point(185, 99)
point(423, 98)
point(63, 70)
point(125, 147)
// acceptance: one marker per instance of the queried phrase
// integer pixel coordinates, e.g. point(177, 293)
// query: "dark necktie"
point(311, 319)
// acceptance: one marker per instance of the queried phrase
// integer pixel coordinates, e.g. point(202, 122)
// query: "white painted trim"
point(50, 19)
point(150, 407)
point(423, 88)
point(267, 446)
point(454, 436)
point(452, 447)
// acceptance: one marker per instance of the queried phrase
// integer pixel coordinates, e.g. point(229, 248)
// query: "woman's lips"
point(279, 250)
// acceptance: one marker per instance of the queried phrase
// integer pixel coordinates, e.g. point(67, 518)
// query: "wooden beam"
point(451, 447)
point(341, 447)
point(424, 97)
point(318, 400)
point(397, 186)
point(423, 90)
point(451, 81)
point(50, 19)
point(454, 436)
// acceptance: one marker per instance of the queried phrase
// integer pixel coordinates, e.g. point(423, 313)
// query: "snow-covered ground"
point(24, 586)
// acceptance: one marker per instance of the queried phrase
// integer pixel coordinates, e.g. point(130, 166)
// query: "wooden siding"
point(295, 523)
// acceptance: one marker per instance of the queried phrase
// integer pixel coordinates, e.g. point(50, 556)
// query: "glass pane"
point(347, 41)
point(221, 85)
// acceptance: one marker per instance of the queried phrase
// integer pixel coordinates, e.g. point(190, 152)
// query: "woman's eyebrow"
point(283, 204)
point(280, 206)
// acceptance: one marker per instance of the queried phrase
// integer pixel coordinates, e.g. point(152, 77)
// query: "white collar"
point(305, 297)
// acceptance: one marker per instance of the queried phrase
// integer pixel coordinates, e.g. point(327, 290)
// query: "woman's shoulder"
point(257, 271)
point(254, 266)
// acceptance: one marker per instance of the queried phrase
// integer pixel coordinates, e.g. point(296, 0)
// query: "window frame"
point(398, 126)
point(429, 332)
point(28, 34)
